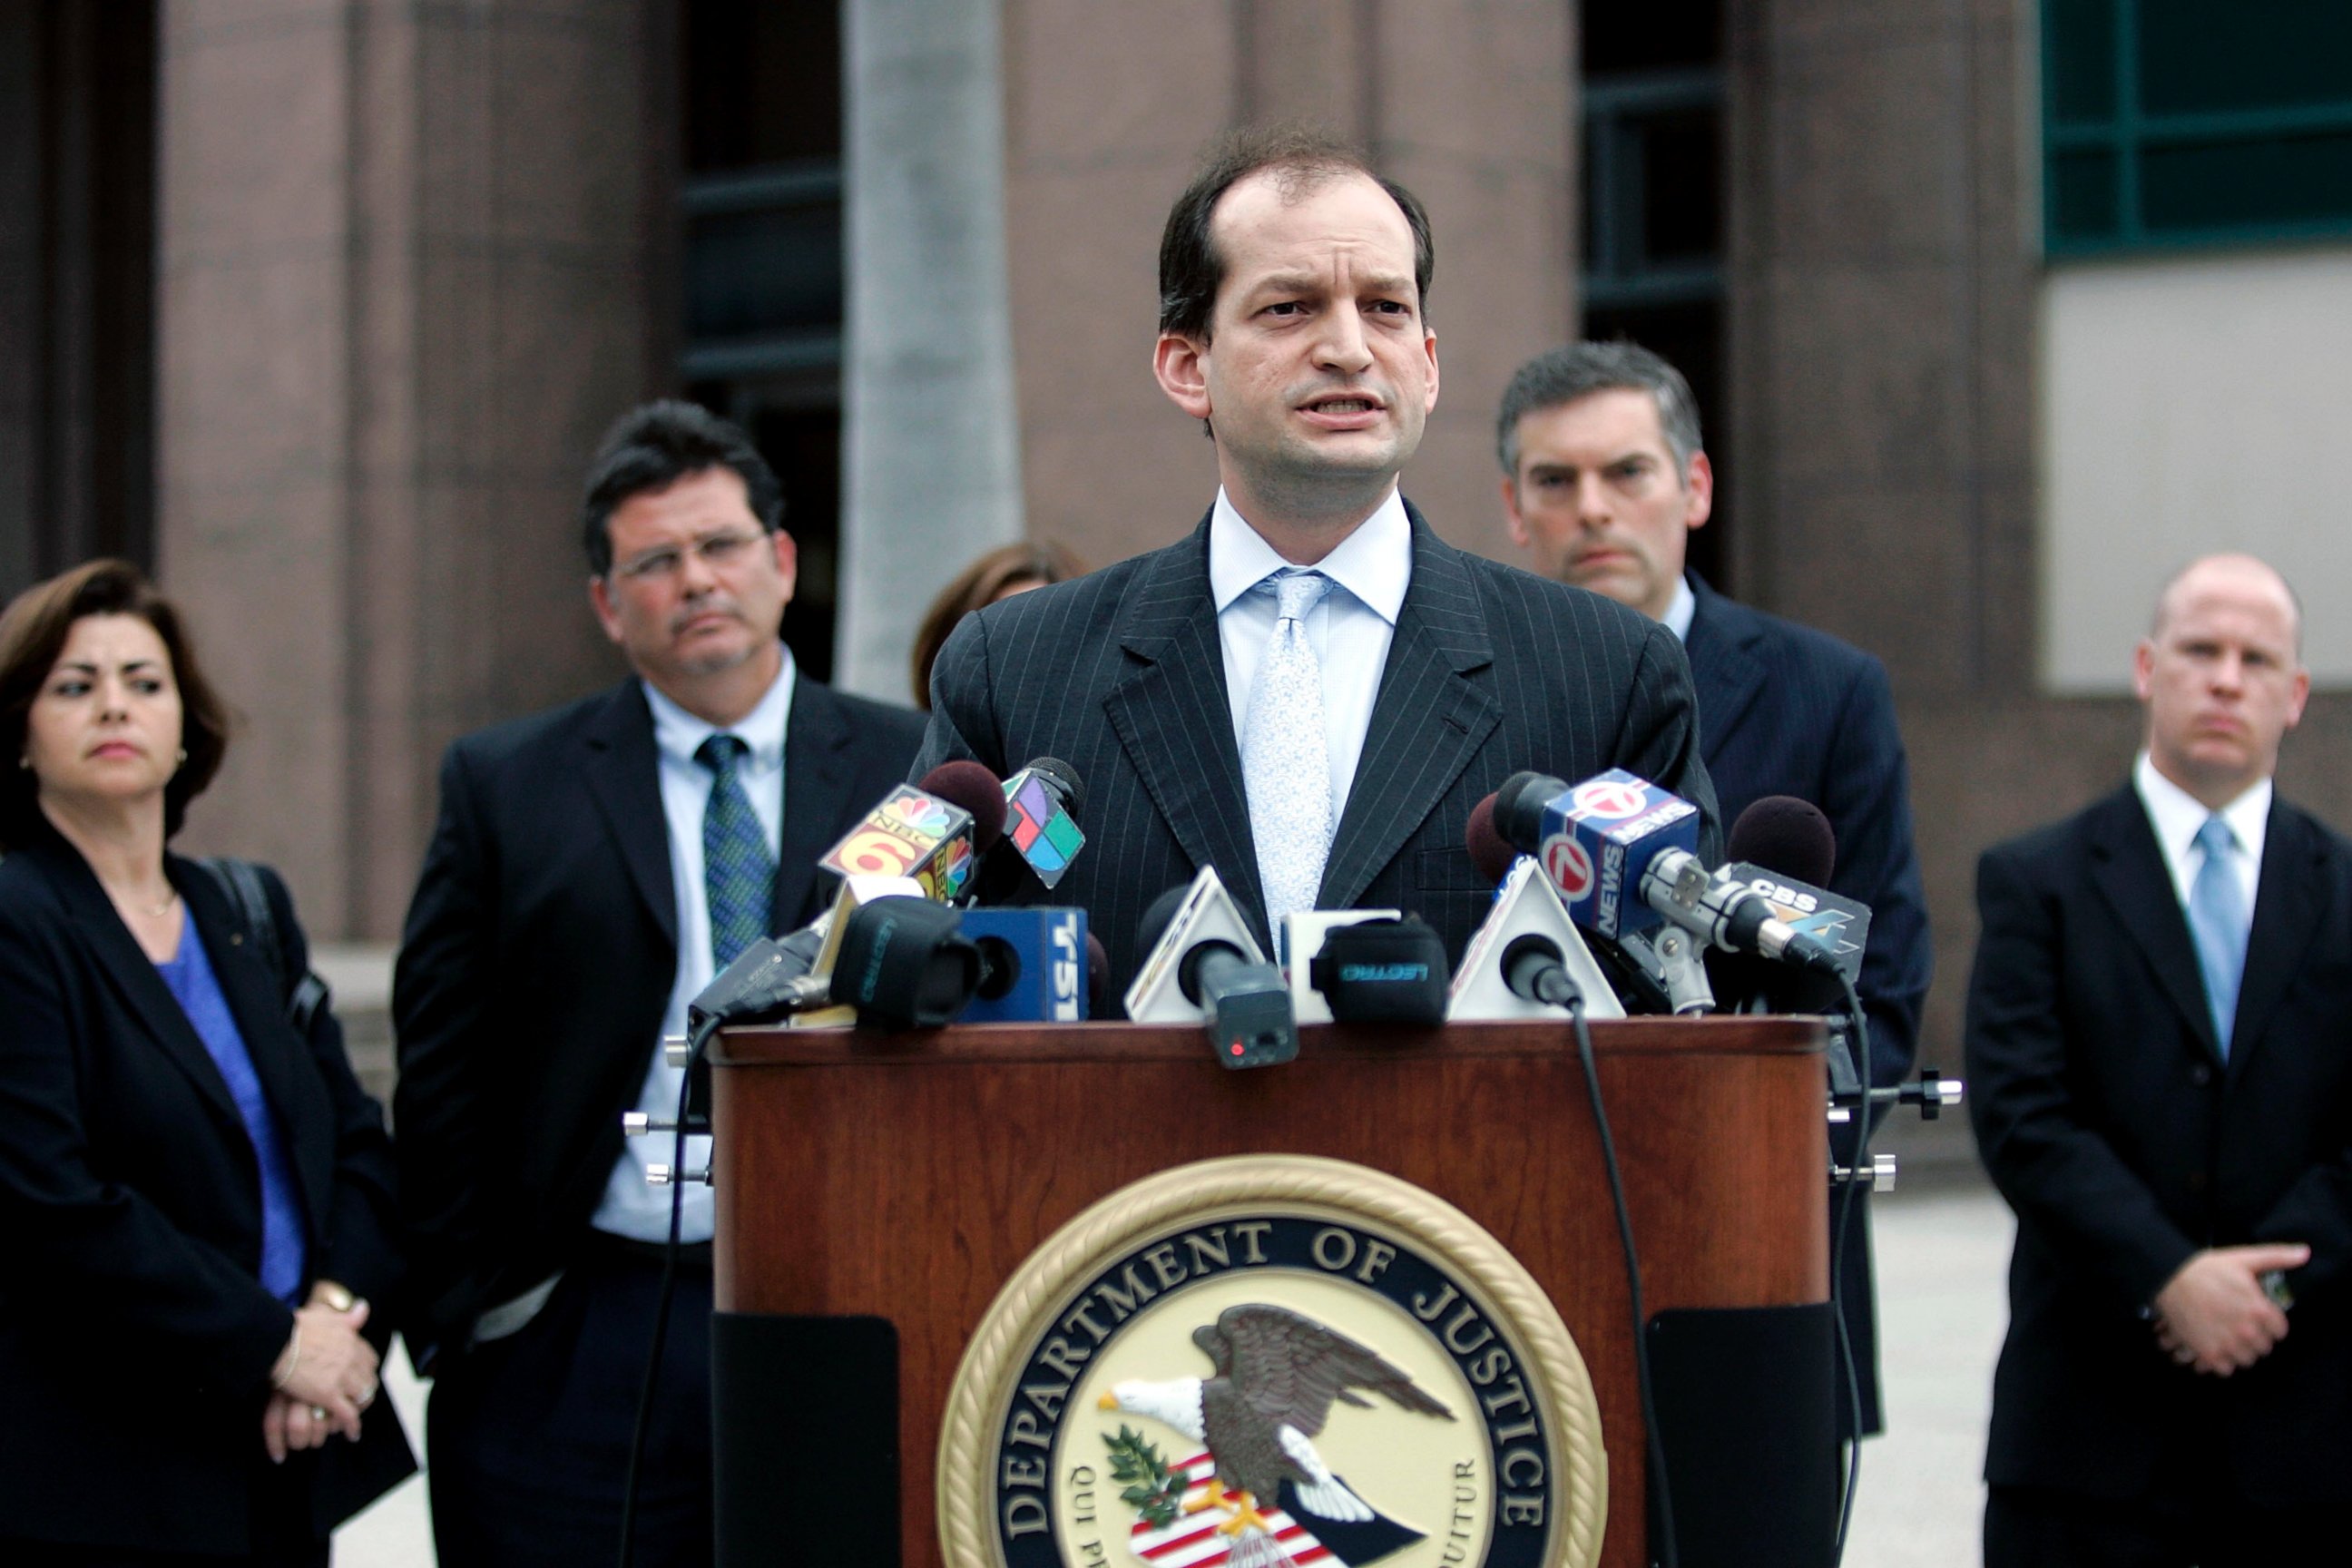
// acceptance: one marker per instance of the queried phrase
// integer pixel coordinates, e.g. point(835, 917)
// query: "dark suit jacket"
point(2124, 1143)
point(136, 1341)
point(1786, 710)
point(537, 960)
point(1491, 669)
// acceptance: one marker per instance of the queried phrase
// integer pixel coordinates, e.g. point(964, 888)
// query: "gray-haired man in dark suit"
point(1604, 479)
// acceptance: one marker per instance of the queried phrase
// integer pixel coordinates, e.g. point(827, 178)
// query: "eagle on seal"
point(1277, 1375)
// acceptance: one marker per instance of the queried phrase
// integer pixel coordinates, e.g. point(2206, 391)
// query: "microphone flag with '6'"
point(912, 834)
point(1595, 841)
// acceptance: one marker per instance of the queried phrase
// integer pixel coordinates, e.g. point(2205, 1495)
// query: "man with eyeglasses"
point(594, 866)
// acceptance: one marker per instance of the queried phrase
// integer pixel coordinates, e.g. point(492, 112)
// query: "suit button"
point(2197, 1181)
point(2201, 1075)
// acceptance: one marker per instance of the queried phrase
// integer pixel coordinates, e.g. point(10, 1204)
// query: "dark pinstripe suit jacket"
point(1491, 669)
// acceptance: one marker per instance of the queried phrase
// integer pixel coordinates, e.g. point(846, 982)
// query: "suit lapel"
point(132, 972)
point(256, 1001)
point(623, 773)
point(2289, 909)
point(2129, 872)
point(816, 774)
point(1174, 719)
point(1428, 720)
point(1725, 673)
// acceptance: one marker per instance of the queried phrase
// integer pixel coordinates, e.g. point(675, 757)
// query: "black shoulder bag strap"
point(305, 994)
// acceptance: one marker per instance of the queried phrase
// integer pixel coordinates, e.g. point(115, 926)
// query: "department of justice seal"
point(1271, 1360)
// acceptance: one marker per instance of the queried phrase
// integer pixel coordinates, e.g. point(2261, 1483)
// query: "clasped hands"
point(324, 1378)
point(2213, 1315)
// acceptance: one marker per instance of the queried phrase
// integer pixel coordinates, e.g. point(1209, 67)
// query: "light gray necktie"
point(2217, 919)
point(1286, 763)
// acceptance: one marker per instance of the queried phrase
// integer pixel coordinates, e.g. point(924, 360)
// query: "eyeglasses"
point(717, 551)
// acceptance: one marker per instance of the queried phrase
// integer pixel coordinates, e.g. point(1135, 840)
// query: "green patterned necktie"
point(739, 875)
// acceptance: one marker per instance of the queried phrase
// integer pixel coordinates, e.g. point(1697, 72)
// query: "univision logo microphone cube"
point(1600, 835)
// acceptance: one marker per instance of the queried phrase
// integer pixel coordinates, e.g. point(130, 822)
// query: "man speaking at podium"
point(1310, 691)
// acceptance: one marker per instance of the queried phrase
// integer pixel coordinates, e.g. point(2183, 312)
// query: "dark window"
point(77, 286)
point(2175, 123)
point(762, 271)
point(1654, 207)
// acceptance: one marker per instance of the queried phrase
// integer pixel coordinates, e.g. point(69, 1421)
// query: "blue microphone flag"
point(1599, 836)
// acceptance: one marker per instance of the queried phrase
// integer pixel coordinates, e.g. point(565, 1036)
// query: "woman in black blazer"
point(195, 1199)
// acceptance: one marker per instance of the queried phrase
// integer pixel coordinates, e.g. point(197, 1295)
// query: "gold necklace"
point(152, 912)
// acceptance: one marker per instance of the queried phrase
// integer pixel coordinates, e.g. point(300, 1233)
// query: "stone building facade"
point(318, 306)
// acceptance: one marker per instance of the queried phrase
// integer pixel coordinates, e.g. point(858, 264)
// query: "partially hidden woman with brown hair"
point(1003, 572)
point(195, 1196)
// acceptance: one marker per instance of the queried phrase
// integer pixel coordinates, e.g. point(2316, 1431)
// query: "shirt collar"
point(680, 734)
point(1678, 618)
point(1374, 563)
point(2177, 814)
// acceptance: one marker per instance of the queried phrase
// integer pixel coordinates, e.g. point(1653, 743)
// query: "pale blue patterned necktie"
point(1286, 761)
point(739, 875)
point(2216, 920)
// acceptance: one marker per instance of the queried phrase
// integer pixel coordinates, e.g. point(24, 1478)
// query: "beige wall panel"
point(262, 574)
point(269, 175)
point(2193, 405)
point(1105, 109)
point(403, 291)
point(1310, 60)
point(252, 382)
point(1476, 116)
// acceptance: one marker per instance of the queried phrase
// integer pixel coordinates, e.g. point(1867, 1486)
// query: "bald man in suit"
point(2162, 1088)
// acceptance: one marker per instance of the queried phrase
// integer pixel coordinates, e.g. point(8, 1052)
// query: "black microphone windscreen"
point(1154, 924)
point(1787, 836)
point(1518, 808)
point(1382, 972)
point(1098, 973)
point(1063, 778)
point(904, 963)
point(1488, 852)
point(975, 788)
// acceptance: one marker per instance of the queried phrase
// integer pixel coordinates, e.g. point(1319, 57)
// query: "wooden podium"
point(906, 1177)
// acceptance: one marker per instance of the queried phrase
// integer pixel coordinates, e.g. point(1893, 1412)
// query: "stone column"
point(401, 294)
point(931, 464)
point(1470, 103)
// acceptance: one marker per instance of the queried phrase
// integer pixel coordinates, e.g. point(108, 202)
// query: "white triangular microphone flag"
point(1526, 905)
point(1208, 912)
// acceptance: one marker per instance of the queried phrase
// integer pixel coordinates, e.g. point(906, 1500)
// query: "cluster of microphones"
point(1603, 905)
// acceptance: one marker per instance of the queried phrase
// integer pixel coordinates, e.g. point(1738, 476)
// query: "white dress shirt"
point(2175, 816)
point(1680, 609)
point(630, 1207)
point(1350, 628)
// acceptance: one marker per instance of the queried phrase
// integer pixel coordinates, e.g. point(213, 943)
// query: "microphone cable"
point(695, 1045)
point(1841, 1229)
point(1666, 1555)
